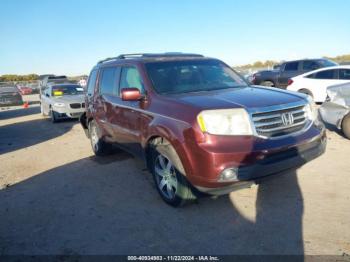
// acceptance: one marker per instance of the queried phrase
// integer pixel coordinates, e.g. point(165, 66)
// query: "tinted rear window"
point(344, 74)
point(292, 66)
point(326, 63)
point(91, 82)
point(175, 77)
point(310, 65)
point(326, 74)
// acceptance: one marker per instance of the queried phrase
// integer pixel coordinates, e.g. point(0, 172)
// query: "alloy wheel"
point(166, 177)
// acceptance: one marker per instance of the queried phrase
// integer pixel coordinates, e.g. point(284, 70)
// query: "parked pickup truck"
point(197, 123)
point(279, 77)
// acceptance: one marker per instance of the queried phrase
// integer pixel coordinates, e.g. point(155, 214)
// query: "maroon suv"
point(197, 123)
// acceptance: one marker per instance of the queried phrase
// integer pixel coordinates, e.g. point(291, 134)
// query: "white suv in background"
point(315, 83)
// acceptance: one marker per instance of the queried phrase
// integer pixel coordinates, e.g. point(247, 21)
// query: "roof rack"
point(149, 55)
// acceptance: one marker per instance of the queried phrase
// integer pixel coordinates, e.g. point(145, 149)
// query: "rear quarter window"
point(92, 82)
point(344, 74)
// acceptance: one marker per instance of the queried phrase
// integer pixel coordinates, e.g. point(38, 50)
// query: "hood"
point(247, 97)
point(70, 99)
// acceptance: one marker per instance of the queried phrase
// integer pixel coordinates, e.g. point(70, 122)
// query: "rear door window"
point(326, 74)
point(109, 80)
point(310, 65)
point(292, 66)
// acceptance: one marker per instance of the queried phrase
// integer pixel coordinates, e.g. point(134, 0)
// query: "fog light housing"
point(228, 175)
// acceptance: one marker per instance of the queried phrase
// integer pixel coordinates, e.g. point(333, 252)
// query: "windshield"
point(175, 77)
point(67, 90)
point(327, 63)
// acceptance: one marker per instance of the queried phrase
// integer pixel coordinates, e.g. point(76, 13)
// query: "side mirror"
point(47, 95)
point(131, 94)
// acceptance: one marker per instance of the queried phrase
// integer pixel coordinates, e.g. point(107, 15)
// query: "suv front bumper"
point(273, 164)
point(253, 159)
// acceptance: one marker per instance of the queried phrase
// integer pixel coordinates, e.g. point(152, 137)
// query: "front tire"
point(42, 110)
point(99, 147)
point(171, 184)
point(345, 126)
point(53, 116)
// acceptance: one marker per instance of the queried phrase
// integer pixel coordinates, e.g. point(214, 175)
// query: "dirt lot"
point(57, 198)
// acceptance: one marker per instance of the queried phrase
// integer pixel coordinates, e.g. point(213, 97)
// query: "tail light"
point(290, 81)
point(253, 78)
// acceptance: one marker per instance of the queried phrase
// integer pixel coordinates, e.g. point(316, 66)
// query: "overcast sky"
point(69, 37)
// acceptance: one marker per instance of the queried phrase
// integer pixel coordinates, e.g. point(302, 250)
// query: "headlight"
point(225, 122)
point(311, 110)
point(59, 104)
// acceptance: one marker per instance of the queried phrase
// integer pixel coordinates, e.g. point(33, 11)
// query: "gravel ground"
point(57, 198)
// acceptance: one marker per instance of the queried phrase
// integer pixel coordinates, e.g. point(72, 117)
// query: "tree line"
point(11, 78)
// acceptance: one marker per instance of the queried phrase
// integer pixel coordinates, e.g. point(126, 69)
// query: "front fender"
point(177, 133)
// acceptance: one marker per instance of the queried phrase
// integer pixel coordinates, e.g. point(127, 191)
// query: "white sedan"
point(63, 101)
point(315, 83)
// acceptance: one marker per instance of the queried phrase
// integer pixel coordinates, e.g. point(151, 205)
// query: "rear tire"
point(306, 92)
point(171, 184)
point(345, 126)
point(268, 83)
point(99, 147)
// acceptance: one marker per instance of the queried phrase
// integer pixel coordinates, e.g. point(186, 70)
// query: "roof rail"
point(107, 59)
point(149, 55)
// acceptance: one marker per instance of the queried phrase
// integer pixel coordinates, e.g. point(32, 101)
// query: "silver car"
point(336, 109)
point(62, 101)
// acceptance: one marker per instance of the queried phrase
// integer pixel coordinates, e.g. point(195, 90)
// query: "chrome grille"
point(280, 122)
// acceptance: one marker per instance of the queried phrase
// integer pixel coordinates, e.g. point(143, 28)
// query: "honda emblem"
point(287, 119)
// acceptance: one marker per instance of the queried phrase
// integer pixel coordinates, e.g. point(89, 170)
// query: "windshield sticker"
point(57, 93)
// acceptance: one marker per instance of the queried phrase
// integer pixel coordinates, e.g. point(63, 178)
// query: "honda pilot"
point(199, 126)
